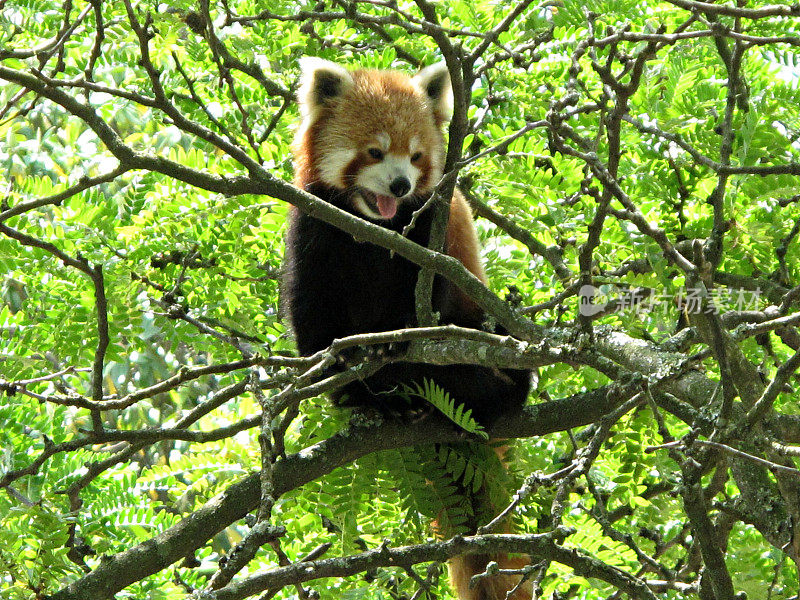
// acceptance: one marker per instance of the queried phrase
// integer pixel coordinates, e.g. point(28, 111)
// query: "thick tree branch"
point(117, 572)
point(538, 546)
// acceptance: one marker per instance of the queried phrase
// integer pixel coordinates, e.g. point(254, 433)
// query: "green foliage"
point(186, 270)
point(449, 407)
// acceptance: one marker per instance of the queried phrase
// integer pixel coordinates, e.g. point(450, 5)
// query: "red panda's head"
point(374, 135)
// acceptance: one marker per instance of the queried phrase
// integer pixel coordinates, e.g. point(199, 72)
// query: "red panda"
point(371, 143)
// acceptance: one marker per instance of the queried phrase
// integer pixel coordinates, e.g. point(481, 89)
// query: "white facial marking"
point(333, 163)
point(384, 141)
point(414, 145)
point(378, 177)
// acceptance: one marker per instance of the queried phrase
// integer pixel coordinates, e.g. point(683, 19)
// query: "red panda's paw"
point(356, 355)
point(391, 349)
point(389, 404)
point(407, 413)
point(384, 411)
point(417, 414)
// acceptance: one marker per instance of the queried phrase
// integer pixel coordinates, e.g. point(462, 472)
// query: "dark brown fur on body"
point(361, 129)
point(336, 287)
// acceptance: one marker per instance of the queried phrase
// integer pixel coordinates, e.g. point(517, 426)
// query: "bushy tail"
point(463, 568)
point(495, 587)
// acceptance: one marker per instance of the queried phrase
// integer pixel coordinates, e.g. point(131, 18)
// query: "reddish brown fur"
point(425, 165)
point(352, 169)
point(363, 112)
point(462, 243)
point(496, 587)
point(306, 155)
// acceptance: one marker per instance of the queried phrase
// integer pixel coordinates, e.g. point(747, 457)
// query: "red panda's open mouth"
point(367, 201)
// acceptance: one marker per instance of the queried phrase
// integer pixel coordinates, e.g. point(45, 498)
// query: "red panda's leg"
point(462, 243)
point(463, 568)
point(462, 240)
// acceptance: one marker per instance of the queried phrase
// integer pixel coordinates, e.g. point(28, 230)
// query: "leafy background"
point(170, 250)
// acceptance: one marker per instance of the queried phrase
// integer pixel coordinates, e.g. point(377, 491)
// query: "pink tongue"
point(387, 206)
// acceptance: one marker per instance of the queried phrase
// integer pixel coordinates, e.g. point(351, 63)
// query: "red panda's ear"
point(320, 81)
point(434, 83)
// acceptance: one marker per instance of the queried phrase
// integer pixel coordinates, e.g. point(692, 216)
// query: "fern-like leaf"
point(444, 403)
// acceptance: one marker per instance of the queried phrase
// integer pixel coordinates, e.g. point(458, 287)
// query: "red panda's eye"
point(416, 156)
point(375, 153)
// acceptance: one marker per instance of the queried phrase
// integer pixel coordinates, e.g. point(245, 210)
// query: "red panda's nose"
point(400, 186)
